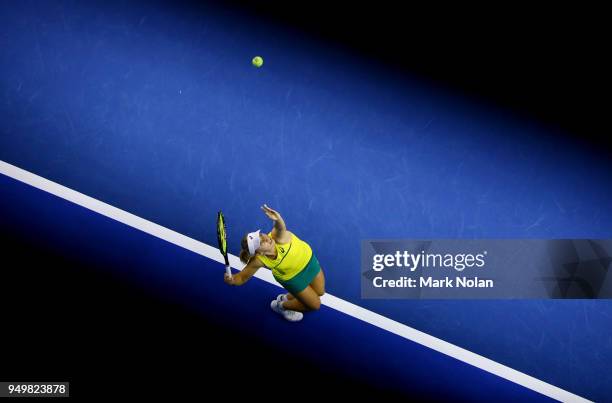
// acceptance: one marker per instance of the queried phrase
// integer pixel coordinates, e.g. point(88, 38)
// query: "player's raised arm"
point(279, 224)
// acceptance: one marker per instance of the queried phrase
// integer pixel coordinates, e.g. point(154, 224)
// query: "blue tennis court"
point(156, 110)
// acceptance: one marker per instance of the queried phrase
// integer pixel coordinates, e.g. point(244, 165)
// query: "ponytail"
point(245, 256)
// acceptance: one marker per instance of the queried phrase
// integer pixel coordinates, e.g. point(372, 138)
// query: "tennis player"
point(293, 265)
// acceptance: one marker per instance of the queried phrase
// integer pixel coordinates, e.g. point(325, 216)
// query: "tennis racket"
point(221, 237)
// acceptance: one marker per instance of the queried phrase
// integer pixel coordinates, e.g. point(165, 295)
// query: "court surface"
point(156, 111)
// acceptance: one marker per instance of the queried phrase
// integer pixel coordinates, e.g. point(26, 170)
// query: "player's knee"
point(321, 293)
point(316, 305)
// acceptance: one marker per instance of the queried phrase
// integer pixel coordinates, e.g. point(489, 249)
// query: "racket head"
point(221, 234)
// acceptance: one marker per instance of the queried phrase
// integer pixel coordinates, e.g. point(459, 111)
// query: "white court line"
point(329, 300)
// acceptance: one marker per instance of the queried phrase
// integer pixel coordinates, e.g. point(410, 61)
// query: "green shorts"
point(300, 281)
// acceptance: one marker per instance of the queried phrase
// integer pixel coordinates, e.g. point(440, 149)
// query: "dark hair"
point(245, 256)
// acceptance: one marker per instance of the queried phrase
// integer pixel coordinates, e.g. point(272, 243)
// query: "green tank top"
point(291, 258)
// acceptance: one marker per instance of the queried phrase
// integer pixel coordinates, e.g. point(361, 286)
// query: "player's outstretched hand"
point(272, 214)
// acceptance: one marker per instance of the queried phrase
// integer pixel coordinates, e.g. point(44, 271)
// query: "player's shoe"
point(281, 298)
point(291, 316)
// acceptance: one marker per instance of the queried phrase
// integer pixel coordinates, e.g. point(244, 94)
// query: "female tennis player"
point(292, 263)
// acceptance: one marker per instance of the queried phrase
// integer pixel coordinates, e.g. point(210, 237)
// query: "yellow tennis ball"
point(257, 61)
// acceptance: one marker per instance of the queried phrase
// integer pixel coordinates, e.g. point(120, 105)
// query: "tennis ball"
point(257, 61)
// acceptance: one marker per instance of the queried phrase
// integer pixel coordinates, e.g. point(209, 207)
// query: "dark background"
point(65, 319)
point(544, 63)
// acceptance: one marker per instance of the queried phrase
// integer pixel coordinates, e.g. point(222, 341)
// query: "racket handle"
point(228, 271)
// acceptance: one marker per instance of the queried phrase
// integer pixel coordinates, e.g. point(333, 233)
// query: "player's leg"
point(318, 283)
point(306, 300)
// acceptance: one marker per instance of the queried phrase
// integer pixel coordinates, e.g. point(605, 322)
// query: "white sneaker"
point(281, 298)
point(291, 316)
